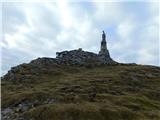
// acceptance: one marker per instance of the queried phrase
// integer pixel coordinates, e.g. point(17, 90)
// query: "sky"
point(38, 28)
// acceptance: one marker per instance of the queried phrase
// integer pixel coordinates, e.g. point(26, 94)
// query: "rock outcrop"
point(81, 57)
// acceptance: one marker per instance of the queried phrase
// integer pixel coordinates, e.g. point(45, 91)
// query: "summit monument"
point(103, 50)
point(104, 55)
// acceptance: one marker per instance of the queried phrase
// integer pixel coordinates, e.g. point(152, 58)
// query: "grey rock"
point(80, 57)
point(16, 112)
point(7, 114)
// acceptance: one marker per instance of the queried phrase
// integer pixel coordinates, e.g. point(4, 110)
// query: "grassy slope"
point(122, 92)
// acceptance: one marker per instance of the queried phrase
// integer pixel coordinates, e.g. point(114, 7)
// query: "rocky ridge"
point(73, 57)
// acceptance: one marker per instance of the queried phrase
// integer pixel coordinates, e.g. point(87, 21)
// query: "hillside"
point(41, 90)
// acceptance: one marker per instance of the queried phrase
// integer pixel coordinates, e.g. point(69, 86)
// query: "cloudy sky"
point(40, 29)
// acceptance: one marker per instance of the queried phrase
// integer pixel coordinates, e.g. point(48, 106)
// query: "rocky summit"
point(73, 57)
point(81, 85)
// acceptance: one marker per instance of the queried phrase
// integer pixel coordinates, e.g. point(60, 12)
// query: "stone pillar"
point(103, 48)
